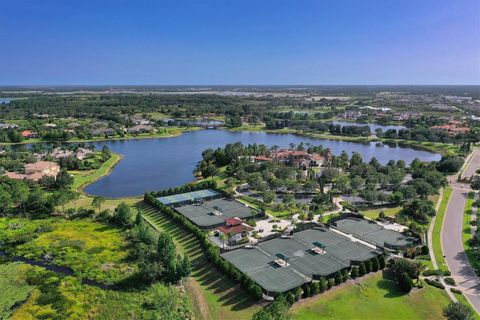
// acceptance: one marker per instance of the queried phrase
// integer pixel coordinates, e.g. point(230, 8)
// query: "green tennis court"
point(188, 197)
point(301, 262)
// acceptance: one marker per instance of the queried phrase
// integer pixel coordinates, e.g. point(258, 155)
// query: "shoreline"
point(434, 147)
point(175, 133)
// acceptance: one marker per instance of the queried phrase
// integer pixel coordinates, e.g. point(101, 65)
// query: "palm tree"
point(223, 238)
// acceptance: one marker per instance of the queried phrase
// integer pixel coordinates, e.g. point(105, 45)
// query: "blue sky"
point(239, 42)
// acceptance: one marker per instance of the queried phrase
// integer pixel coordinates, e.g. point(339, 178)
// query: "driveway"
point(452, 241)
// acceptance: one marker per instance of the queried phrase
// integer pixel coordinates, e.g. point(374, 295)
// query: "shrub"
point(435, 283)
point(362, 270)
point(457, 310)
point(323, 284)
point(449, 281)
point(314, 288)
point(455, 290)
point(405, 283)
point(425, 250)
point(354, 273)
point(338, 278)
point(330, 283)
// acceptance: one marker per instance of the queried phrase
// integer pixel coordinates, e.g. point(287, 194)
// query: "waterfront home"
point(141, 128)
point(103, 132)
point(8, 126)
point(80, 153)
point(36, 171)
point(29, 134)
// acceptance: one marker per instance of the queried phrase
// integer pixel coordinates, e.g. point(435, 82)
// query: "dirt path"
point(196, 295)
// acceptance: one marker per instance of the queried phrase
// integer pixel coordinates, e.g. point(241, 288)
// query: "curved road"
point(452, 238)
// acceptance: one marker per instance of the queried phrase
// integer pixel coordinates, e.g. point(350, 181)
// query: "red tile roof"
point(233, 221)
point(234, 229)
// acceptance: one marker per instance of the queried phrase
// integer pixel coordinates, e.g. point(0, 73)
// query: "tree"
point(368, 266)
point(323, 284)
point(268, 197)
point(64, 180)
point(475, 184)
point(375, 264)
point(356, 159)
point(354, 274)
point(411, 268)
point(450, 164)
point(277, 310)
point(122, 215)
point(381, 262)
point(97, 202)
point(405, 282)
point(362, 270)
point(338, 278)
point(342, 183)
point(223, 238)
point(356, 183)
point(458, 311)
point(419, 210)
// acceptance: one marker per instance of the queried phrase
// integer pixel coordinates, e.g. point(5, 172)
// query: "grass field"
point(13, 288)
point(389, 212)
point(215, 296)
point(467, 232)
point(437, 228)
point(91, 249)
point(373, 298)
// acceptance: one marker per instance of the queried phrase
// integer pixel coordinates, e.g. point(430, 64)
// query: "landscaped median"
point(467, 232)
point(437, 229)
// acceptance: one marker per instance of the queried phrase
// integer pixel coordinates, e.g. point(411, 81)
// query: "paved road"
point(452, 242)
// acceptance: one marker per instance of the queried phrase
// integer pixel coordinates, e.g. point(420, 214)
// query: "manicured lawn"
point(86, 202)
point(373, 298)
point(467, 232)
point(215, 296)
point(82, 178)
point(437, 228)
point(13, 288)
point(373, 213)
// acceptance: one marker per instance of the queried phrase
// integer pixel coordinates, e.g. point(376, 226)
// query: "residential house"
point(29, 134)
point(36, 171)
point(80, 153)
point(8, 126)
point(141, 128)
point(103, 132)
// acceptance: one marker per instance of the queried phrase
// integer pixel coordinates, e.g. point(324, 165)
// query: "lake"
point(373, 126)
point(5, 100)
point(155, 164)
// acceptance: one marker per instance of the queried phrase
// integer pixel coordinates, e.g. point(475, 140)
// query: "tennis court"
point(374, 233)
point(188, 197)
point(308, 254)
point(212, 213)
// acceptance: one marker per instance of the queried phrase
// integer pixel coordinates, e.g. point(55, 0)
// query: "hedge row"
point(212, 251)
point(186, 188)
point(434, 283)
point(324, 284)
point(428, 273)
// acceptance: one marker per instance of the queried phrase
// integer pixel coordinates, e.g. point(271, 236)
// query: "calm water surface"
point(155, 164)
point(373, 126)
